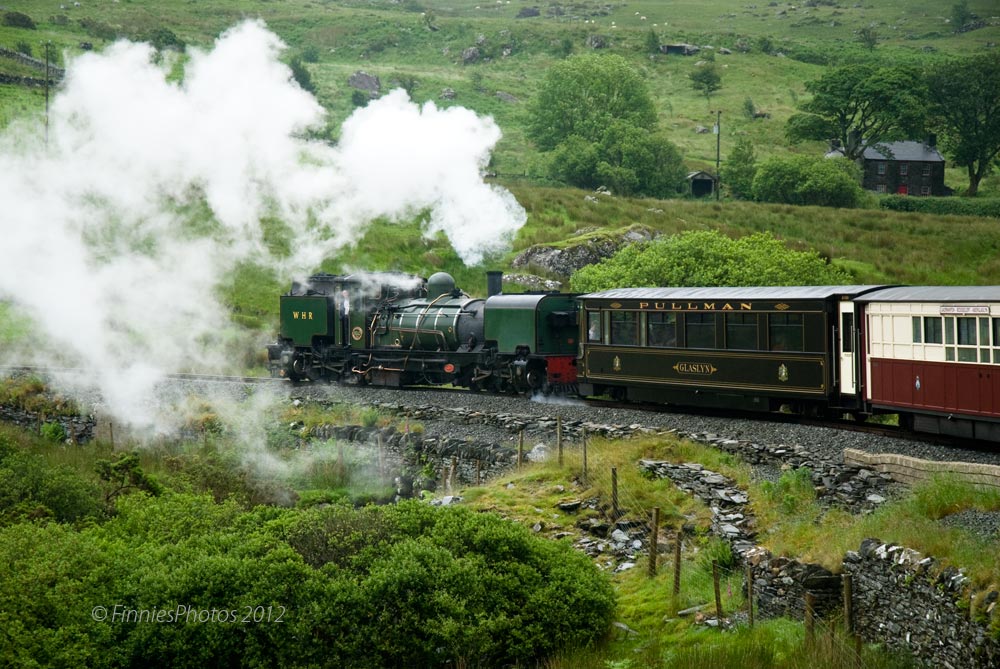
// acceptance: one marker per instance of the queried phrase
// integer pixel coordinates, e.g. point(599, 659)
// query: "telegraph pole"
point(718, 146)
point(48, 45)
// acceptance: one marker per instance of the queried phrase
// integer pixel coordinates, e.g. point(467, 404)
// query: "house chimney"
point(932, 140)
point(494, 283)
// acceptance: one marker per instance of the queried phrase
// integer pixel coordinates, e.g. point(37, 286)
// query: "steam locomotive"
point(929, 354)
point(399, 330)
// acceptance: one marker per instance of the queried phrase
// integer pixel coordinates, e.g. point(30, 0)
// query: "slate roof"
point(735, 293)
point(908, 151)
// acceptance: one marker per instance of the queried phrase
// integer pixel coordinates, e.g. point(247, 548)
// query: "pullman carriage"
point(933, 357)
point(746, 348)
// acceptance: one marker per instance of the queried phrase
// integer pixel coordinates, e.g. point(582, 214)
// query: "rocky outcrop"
point(564, 261)
point(363, 81)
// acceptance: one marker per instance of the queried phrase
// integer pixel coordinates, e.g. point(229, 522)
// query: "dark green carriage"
point(750, 348)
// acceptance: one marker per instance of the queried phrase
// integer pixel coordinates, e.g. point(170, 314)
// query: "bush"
point(804, 180)
point(18, 20)
point(54, 432)
point(708, 258)
point(943, 206)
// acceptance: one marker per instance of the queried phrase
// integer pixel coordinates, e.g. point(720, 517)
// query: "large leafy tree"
point(859, 105)
point(626, 159)
point(596, 117)
point(581, 96)
point(708, 258)
point(964, 107)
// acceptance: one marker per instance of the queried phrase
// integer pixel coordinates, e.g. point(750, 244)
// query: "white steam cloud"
point(103, 238)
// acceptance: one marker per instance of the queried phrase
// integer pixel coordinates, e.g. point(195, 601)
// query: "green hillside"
point(775, 49)
point(420, 45)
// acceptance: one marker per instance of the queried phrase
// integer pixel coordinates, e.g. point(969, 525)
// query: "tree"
point(627, 160)
point(739, 169)
point(708, 258)
point(964, 107)
point(583, 95)
point(301, 75)
point(960, 15)
point(804, 180)
point(652, 42)
point(868, 37)
point(706, 79)
point(859, 105)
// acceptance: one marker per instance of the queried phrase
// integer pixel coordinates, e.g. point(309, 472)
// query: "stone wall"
point(911, 470)
point(901, 598)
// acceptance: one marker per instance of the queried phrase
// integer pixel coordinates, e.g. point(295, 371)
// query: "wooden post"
point(653, 541)
point(341, 466)
point(453, 472)
point(849, 622)
point(559, 439)
point(584, 457)
point(718, 593)
point(445, 481)
point(381, 459)
point(750, 595)
point(111, 434)
point(677, 564)
point(848, 589)
point(479, 471)
point(810, 620)
point(520, 449)
point(614, 493)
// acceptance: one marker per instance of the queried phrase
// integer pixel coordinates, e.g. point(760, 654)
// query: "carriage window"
point(594, 326)
point(949, 330)
point(967, 338)
point(966, 331)
point(932, 330)
point(661, 329)
point(847, 333)
point(916, 330)
point(741, 331)
point(625, 328)
point(699, 330)
point(786, 332)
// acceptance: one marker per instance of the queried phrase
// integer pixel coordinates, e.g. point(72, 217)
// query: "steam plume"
point(104, 242)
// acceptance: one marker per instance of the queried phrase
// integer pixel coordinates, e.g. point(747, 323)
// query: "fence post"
point(585, 457)
point(614, 493)
point(479, 471)
point(750, 595)
point(520, 449)
point(810, 620)
point(677, 564)
point(381, 459)
point(654, 541)
point(559, 439)
point(453, 473)
point(718, 594)
point(848, 581)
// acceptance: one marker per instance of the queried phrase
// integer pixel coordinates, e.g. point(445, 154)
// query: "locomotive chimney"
point(494, 283)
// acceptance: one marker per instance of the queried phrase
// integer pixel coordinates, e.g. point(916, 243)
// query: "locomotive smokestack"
point(494, 283)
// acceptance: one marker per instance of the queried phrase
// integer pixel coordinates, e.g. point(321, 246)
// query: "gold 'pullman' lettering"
point(694, 306)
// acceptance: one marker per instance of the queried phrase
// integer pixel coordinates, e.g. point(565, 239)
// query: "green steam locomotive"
point(399, 330)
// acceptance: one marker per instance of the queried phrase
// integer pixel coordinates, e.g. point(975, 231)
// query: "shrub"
point(943, 206)
point(54, 432)
point(18, 20)
point(804, 180)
